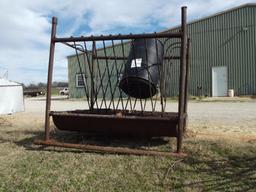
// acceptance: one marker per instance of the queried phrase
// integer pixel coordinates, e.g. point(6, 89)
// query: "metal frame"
point(183, 84)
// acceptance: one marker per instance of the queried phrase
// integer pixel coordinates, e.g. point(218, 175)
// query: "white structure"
point(11, 97)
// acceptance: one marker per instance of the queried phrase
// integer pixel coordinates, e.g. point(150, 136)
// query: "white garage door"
point(219, 81)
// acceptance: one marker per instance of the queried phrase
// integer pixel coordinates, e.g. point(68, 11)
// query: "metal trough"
point(117, 123)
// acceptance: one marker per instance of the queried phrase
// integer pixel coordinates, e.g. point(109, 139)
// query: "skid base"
point(110, 150)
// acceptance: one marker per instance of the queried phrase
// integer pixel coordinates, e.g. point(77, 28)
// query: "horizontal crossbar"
point(117, 37)
point(125, 58)
point(111, 150)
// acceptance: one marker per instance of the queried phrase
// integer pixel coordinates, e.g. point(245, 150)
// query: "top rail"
point(117, 37)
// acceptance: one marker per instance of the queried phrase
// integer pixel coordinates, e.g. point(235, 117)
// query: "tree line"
point(44, 85)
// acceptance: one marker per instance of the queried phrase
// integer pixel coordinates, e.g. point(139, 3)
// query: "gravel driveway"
point(219, 117)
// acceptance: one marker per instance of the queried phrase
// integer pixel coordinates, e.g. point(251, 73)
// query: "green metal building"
point(223, 56)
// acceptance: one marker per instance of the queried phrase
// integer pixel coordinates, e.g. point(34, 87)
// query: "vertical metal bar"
point(129, 98)
point(134, 56)
point(83, 75)
point(49, 80)
point(161, 76)
point(109, 74)
point(92, 74)
point(87, 60)
point(186, 84)
point(118, 71)
point(149, 77)
point(101, 85)
point(182, 77)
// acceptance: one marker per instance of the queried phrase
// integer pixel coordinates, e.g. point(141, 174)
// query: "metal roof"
point(201, 19)
point(214, 15)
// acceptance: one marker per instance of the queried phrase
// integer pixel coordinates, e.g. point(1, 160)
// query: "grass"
point(211, 165)
point(55, 90)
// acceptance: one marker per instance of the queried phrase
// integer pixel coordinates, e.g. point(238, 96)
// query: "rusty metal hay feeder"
point(125, 85)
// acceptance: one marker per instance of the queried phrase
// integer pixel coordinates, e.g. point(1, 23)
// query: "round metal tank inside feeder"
point(141, 74)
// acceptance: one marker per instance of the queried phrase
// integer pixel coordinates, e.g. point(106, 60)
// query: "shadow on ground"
point(235, 173)
point(216, 167)
point(28, 137)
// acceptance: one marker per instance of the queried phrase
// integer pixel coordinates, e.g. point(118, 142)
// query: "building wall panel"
point(227, 39)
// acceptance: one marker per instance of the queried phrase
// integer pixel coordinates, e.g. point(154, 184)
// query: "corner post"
point(182, 79)
point(49, 80)
point(186, 84)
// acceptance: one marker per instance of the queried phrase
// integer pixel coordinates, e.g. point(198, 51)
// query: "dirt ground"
point(231, 119)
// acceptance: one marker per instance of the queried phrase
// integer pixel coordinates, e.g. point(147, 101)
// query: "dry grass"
point(215, 162)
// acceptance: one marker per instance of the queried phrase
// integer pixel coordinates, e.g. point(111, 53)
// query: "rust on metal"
point(117, 113)
point(186, 85)
point(125, 58)
point(117, 123)
point(111, 150)
point(49, 80)
point(118, 37)
point(182, 79)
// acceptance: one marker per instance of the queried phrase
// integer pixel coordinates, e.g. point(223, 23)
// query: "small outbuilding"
point(11, 97)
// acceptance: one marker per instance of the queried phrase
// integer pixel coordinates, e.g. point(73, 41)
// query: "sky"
point(26, 27)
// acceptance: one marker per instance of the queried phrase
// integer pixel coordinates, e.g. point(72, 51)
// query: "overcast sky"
point(25, 27)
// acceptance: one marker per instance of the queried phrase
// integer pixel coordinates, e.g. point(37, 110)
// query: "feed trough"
point(126, 79)
point(117, 123)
